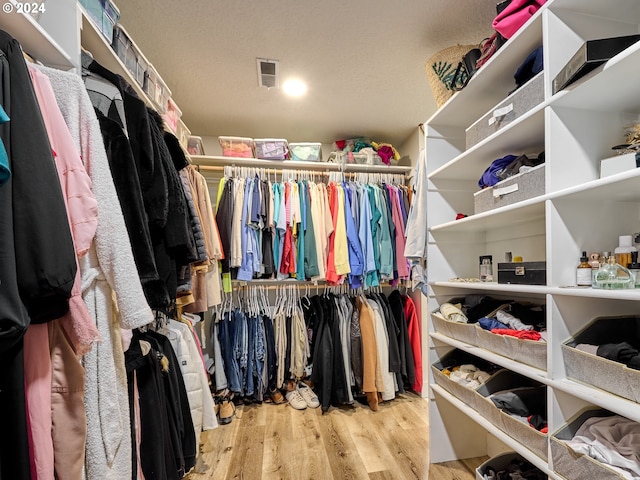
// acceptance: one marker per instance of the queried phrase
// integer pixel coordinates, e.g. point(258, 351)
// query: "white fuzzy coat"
point(108, 271)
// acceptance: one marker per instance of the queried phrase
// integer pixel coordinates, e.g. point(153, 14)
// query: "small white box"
point(617, 164)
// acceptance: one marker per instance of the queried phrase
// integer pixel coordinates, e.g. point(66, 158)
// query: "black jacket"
point(45, 259)
point(125, 178)
point(396, 303)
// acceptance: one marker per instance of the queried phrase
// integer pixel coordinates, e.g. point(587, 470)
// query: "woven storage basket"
point(441, 68)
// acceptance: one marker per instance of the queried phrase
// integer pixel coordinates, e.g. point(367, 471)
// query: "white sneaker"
point(309, 397)
point(295, 400)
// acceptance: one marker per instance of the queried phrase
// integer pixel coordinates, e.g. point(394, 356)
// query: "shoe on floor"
point(307, 394)
point(227, 411)
point(295, 400)
point(276, 397)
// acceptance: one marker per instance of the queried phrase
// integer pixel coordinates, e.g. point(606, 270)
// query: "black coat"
point(396, 303)
point(125, 178)
point(45, 259)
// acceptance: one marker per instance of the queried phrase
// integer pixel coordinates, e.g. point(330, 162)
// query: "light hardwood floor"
point(268, 442)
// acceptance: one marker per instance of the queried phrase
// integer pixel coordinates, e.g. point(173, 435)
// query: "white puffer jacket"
point(195, 379)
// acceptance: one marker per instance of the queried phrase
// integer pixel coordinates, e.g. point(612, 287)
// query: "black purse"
point(465, 70)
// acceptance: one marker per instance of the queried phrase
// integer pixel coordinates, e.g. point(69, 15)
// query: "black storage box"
point(523, 273)
point(591, 54)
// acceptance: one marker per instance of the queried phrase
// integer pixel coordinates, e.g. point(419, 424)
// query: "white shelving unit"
point(579, 211)
point(35, 40)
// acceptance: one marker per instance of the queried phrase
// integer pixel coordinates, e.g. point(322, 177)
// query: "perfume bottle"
point(612, 276)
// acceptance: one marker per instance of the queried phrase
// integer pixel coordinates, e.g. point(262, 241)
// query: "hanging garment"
point(45, 260)
point(416, 226)
point(108, 267)
point(387, 387)
point(404, 344)
point(415, 339)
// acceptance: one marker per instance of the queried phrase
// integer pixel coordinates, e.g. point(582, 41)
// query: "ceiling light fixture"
point(294, 87)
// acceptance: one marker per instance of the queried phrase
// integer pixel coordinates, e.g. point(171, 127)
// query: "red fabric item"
point(460, 216)
point(521, 334)
point(413, 325)
point(509, 21)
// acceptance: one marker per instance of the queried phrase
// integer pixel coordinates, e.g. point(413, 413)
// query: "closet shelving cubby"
point(35, 39)
point(578, 211)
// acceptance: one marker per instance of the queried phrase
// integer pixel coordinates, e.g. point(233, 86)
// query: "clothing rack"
point(294, 173)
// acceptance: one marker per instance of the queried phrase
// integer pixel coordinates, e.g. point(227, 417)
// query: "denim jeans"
point(226, 330)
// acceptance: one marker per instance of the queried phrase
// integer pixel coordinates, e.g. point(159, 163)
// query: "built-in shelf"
point(506, 362)
point(524, 134)
point(94, 42)
point(630, 294)
point(517, 213)
point(494, 287)
point(493, 82)
point(35, 40)
point(621, 187)
point(496, 432)
point(207, 160)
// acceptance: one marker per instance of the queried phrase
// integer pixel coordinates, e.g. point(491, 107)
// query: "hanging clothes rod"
point(358, 176)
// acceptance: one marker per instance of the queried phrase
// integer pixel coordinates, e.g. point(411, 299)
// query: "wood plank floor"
point(277, 442)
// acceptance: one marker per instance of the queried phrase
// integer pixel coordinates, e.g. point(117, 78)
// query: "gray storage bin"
point(511, 108)
point(498, 462)
point(608, 375)
point(518, 430)
point(465, 332)
point(518, 188)
point(576, 466)
point(466, 394)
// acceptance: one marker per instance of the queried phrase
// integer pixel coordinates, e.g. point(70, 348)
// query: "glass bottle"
point(612, 276)
point(583, 272)
point(634, 268)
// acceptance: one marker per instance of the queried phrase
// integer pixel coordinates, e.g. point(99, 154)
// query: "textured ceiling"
point(363, 61)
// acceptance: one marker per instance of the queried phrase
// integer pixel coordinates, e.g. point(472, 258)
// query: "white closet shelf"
point(521, 212)
point(520, 136)
point(34, 39)
point(632, 294)
point(493, 430)
point(613, 87)
point(207, 160)
point(598, 397)
point(94, 42)
point(624, 11)
point(526, 370)
point(494, 287)
point(491, 83)
point(621, 187)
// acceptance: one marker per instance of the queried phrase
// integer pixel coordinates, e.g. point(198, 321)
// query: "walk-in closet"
point(333, 241)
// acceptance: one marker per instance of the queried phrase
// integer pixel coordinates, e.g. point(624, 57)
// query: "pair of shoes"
point(296, 400)
point(276, 397)
point(227, 412)
point(310, 398)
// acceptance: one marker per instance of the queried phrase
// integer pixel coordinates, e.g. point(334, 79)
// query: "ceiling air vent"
point(268, 72)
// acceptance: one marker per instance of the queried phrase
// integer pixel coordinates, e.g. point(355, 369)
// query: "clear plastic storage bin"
point(195, 145)
point(306, 151)
point(271, 148)
point(236, 146)
point(172, 115)
point(156, 89)
point(104, 15)
point(130, 54)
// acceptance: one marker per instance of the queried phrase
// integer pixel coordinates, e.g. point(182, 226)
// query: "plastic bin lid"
point(270, 140)
point(306, 144)
point(237, 139)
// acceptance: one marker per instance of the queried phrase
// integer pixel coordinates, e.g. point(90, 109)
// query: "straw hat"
point(441, 68)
